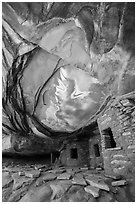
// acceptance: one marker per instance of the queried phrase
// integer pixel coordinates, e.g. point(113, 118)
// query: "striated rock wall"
point(119, 156)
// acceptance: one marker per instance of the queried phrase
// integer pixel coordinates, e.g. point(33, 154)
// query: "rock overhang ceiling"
point(74, 71)
point(72, 95)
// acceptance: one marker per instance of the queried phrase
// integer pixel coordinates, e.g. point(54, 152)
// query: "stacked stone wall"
point(120, 117)
point(82, 151)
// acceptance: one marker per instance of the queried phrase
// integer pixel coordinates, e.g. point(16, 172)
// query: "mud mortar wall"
point(82, 154)
point(120, 118)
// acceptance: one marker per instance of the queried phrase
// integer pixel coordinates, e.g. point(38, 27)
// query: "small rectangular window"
point(109, 139)
point(74, 153)
point(96, 150)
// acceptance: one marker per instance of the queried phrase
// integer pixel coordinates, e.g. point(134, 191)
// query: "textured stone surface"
point(6, 179)
point(83, 154)
point(119, 183)
point(59, 188)
point(106, 197)
point(32, 190)
point(6, 193)
point(58, 170)
point(92, 190)
point(77, 197)
point(17, 194)
point(64, 176)
point(76, 194)
point(39, 194)
point(40, 166)
point(70, 171)
point(48, 177)
point(39, 181)
point(21, 173)
point(98, 184)
point(84, 168)
point(131, 147)
point(121, 195)
point(32, 174)
point(115, 177)
point(79, 180)
point(20, 181)
point(124, 137)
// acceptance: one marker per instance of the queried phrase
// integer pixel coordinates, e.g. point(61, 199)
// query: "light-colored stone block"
point(119, 183)
point(92, 190)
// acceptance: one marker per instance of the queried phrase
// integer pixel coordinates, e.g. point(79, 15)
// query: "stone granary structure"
point(117, 129)
point(85, 152)
point(112, 144)
point(69, 83)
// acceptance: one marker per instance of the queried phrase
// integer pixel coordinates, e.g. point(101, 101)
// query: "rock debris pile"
point(40, 183)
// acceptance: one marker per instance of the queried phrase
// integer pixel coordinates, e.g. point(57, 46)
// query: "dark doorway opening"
point(55, 156)
point(109, 139)
point(96, 150)
point(74, 153)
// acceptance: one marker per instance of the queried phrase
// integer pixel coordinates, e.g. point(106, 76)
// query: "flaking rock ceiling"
point(74, 64)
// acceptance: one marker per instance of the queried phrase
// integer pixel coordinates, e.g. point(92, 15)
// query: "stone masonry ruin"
point(68, 101)
point(117, 128)
point(113, 146)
